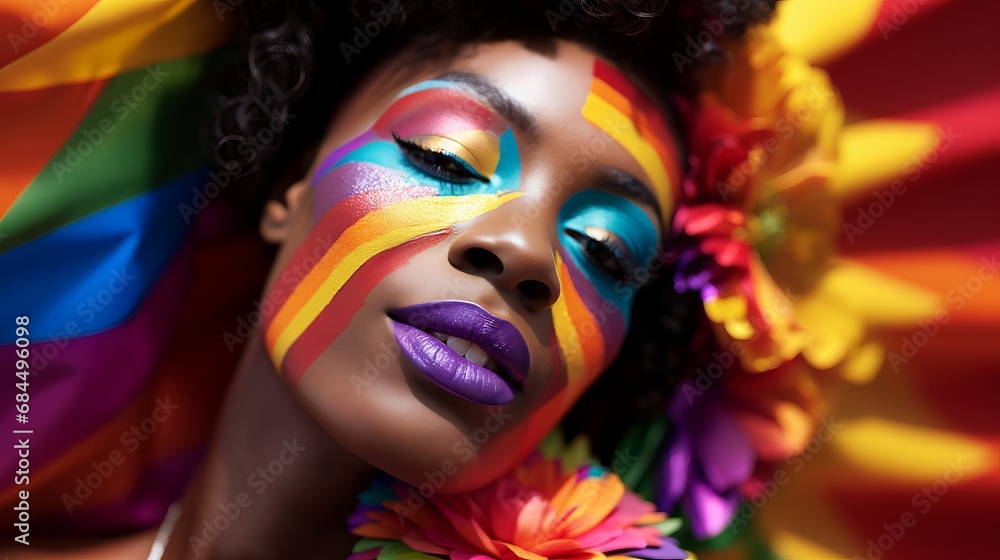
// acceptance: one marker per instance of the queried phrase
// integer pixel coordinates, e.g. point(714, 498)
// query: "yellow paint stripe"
point(619, 126)
point(116, 36)
point(402, 221)
point(607, 92)
point(569, 340)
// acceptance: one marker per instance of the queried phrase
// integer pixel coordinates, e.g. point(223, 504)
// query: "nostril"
point(535, 291)
point(482, 259)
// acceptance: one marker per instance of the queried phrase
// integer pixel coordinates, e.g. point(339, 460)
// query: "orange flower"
point(537, 512)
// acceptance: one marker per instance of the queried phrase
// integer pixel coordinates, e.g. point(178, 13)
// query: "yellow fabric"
point(116, 36)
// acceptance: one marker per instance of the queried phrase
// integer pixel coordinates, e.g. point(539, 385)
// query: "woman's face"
point(460, 262)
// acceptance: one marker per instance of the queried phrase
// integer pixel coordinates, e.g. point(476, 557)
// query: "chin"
point(407, 426)
point(450, 472)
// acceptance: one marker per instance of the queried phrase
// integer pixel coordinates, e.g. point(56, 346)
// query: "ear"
point(276, 221)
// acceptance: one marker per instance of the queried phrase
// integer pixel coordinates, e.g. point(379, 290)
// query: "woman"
point(471, 206)
point(464, 220)
point(451, 278)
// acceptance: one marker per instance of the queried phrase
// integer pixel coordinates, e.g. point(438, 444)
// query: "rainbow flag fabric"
point(102, 105)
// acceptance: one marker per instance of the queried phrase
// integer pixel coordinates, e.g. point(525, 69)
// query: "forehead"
point(576, 96)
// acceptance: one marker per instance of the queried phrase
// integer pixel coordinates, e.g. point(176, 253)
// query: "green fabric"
point(147, 139)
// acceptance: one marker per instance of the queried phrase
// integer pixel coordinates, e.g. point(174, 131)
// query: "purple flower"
point(708, 459)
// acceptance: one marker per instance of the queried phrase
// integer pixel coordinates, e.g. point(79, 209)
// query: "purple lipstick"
point(464, 349)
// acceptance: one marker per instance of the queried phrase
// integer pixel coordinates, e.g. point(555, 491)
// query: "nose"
point(511, 251)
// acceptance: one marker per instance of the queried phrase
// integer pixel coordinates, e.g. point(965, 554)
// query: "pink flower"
point(538, 511)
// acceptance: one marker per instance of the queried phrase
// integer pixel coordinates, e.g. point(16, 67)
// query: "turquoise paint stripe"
point(624, 218)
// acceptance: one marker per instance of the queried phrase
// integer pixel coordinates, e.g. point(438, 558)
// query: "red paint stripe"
point(336, 316)
point(648, 118)
point(615, 79)
point(326, 232)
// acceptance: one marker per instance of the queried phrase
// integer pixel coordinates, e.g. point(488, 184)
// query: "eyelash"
point(599, 250)
point(451, 170)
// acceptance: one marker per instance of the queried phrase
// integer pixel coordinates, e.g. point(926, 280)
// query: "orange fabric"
point(36, 123)
point(54, 17)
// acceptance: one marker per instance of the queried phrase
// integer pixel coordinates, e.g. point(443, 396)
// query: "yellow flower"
point(785, 293)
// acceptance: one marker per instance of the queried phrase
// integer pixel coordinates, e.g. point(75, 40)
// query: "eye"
point(441, 165)
point(605, 250)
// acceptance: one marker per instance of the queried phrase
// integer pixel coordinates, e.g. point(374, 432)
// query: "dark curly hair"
point(297, 60)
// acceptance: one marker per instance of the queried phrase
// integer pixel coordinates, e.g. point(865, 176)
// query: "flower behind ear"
point(756, 235)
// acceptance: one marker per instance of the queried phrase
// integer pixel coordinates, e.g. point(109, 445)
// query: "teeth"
point(476, 355)
point(459, 345)
point(466, 349)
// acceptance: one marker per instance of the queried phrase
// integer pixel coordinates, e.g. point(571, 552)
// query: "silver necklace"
point(163, 535)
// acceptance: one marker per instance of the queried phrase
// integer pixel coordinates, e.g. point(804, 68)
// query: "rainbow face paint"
point(617, 107)
point(436, 157)
point(590, 319)
point(439, 156)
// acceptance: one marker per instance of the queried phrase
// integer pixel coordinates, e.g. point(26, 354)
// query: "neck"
point(274, 484)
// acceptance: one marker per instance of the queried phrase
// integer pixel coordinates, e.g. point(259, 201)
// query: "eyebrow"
point(515, 113)
point(630, 187)
point(511, 110)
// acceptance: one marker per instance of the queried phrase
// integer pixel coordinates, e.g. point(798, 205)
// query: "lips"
point(435, 335)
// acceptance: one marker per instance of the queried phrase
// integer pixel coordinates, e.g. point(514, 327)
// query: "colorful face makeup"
point(617, 107)
point(438, 156)
point(591, 316)
point(435, 158)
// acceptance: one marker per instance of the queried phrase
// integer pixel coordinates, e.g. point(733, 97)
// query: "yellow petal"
point(730, 311)
point(872, 153)
point(862, 364)
point(907, 452)
point(877, 298)
point(820, 31)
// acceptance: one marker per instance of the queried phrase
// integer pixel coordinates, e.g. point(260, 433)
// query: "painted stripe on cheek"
point(296, 282)
point(400, 222)
point(335, 318)
point(353, 178)
point(578, 336)
point(613, 322)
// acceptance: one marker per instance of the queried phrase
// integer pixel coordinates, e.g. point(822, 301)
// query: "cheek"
point(372, 225)
point(589, 331)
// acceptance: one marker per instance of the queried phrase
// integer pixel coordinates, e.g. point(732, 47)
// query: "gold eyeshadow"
point(480, 149)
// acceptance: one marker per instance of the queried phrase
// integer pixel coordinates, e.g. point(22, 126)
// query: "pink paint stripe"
point(608, 317)
point(350, 179)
